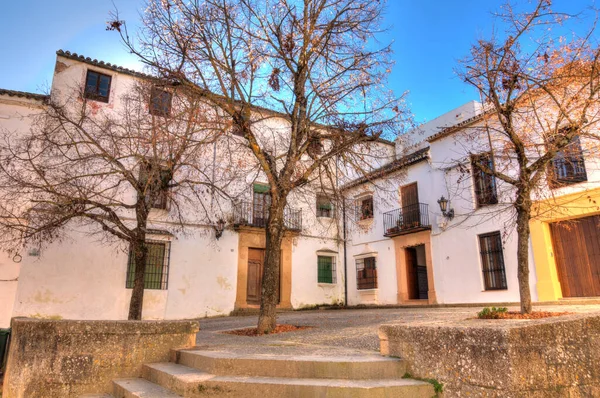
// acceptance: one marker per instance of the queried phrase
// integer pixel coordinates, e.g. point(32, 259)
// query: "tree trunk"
point(523, 216)
point(267, 319)
point(140, 252)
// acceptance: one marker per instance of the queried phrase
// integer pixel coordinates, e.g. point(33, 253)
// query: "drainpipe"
point(345, 258)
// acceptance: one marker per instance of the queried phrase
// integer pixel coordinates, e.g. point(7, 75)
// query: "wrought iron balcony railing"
point(256, 214)
point(408, 219)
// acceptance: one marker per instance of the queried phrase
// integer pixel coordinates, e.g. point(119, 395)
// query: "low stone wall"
point(64, 358)
point(551, 357)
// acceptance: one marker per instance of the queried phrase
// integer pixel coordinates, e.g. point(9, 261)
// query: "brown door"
point(256, 258)
point(256, 261)
point(577, 254)
point(411, 272)
point(411, 215)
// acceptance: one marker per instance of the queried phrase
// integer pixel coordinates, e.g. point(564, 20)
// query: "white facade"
point(82, 278)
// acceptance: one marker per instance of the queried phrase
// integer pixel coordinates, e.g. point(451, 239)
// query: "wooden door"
point(576, 246)
point(411, 216)
point(411, 273)
point(256, 261)
point(256, 258)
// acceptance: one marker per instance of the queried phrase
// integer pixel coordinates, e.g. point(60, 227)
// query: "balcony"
point(250, 214)
point(407, 220)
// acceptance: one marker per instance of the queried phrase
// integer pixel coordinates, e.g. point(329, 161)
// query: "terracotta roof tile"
point(23, 94)
point(391, 167)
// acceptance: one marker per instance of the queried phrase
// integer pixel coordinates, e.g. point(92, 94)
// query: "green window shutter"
point(261, 188)
point(155, 267)
point(130, 271)
point(325, 269)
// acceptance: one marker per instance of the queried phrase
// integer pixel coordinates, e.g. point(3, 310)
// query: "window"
point(324, 206)
point(326, 269)
point(159, 180)
point(366, 273)
point(492, 261)
point(157, 266)
point(261, 204)
point(315, 148)
point(97, 86)
point(160, 102)
point(568, 166)
point(365, 208)
point(485, 184)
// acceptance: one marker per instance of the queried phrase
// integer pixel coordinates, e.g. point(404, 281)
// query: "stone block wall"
point(551, 357)
point(64, 358)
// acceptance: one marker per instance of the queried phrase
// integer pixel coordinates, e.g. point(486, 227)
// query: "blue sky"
point(429, 36)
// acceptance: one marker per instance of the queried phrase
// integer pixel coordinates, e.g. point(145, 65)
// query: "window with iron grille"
point(160, 102)
point(326, 269)
point(157, 266)
point(365, 208)
point(568, 166)
point(485, 184)
point(366, 273)
point(492, 261)
point(97, 86)
point(324, 206)
point(159, 180)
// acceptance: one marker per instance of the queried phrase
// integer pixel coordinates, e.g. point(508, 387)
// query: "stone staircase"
point(197, 373)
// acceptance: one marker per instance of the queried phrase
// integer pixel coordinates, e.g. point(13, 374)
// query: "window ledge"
point(368, 290)
point(325, 284)
point(366, 221)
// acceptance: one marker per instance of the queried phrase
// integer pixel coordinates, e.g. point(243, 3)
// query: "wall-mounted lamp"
point(219, 228)
point(443, 202)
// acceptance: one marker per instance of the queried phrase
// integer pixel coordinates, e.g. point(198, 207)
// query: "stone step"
point(192, 383)
point(140, 388)
point(351, 367)
point(96, 396)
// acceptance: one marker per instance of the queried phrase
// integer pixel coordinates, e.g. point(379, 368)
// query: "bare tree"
point(106, 170)
point(539, 82)
point(315, 62)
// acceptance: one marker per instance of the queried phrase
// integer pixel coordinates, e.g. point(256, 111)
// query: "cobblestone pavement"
point(340, 331)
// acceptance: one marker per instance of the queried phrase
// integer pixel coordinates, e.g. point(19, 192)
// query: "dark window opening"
point(485, 184)
point(261, 203)
point(366, 273)
point(568, 165)
point(97, 86)
point(156, 180)
point(365, 208)
point(492, 261)
point(315, 148)
point(324, 206)
point(157, 266)
point(160, 102)
point(326, 269)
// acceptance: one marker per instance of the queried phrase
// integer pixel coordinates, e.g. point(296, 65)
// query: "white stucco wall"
point(15, 118)
point(306, 290)
point(81, 278)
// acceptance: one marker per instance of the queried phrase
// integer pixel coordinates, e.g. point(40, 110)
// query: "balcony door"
point(261, 201)
point(411, 214)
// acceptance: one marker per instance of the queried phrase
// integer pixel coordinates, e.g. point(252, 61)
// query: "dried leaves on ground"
point(278, 329)
point(518, 315)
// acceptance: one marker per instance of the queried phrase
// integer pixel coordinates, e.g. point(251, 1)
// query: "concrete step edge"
point(189, 375)
point(324, 367)
point(354, 358)
point(140, 388)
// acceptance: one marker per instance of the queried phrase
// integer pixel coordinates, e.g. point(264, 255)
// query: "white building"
point(400, 248)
